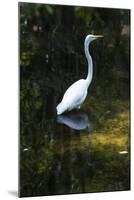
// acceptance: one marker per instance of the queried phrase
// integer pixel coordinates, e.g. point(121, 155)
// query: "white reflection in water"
point(77, 120)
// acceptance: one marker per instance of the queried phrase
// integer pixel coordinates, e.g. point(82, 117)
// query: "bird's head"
point(90, 38)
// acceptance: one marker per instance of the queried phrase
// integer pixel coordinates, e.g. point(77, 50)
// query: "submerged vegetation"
point(55, 158)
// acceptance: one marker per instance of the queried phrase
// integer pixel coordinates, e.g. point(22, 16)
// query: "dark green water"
point(81, 151)
point(56, 159)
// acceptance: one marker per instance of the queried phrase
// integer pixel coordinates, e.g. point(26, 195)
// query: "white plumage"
point(73, 97)
point(77, 92)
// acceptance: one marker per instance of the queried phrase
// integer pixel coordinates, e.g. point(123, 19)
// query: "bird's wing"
point(75, 93)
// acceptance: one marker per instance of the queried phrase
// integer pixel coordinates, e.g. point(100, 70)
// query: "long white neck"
point(90, 64)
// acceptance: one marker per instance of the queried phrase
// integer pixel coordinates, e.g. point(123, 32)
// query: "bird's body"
point(73, 97)
point(77, 92)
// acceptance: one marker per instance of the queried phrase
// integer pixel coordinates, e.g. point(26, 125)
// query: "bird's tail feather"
point(60, 109)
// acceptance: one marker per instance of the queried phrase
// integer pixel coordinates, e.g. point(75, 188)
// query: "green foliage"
point(50, 9)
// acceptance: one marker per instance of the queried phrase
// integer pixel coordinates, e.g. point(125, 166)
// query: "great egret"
point(77, 92)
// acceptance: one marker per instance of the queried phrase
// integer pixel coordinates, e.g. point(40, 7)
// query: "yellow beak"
point(98, 36)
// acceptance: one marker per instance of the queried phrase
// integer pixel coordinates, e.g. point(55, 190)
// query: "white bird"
point(77, 92)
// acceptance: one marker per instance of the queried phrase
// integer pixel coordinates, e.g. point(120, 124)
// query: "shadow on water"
point(77, 120)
